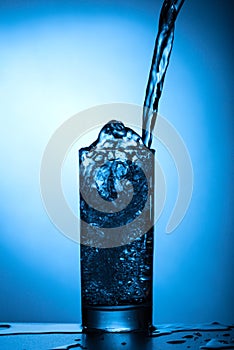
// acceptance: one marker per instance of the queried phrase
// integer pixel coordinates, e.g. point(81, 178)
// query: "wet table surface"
point(50, 336)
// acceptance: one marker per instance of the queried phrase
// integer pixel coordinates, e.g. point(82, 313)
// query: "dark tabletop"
point(49, 336)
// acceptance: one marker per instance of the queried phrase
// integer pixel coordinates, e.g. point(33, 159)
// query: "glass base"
point(127, 318)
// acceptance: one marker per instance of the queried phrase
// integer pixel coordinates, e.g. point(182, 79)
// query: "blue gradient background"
point(58, 58)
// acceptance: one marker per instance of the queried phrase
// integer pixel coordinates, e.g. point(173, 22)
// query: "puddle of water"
point(39, 328)
point(218, 345)
point(173, 328)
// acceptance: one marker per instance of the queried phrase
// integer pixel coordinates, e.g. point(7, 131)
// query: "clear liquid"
point(120, 275)
point(117, 276)
point(160, 61)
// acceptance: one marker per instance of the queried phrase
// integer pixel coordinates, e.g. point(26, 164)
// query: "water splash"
point(160, 61)
point(109, 171)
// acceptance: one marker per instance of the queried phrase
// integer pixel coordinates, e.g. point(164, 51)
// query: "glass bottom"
point(127, 318)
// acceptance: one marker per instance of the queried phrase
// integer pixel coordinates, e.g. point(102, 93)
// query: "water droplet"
point(198, 334)
point(188, 336)
point(4, 326)
point(176, 341)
